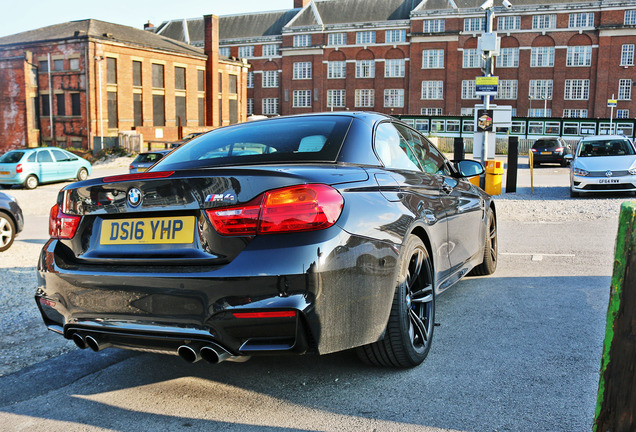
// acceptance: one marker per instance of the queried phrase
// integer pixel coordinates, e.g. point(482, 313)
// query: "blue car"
point(33, 166)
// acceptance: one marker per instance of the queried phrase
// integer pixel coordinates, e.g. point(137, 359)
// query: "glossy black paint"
point(340, 280)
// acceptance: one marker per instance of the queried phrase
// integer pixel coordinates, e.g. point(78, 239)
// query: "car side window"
point(59, 156)
point(31, 157)
point(393, 150)
point(431, 159)
point(44, 156)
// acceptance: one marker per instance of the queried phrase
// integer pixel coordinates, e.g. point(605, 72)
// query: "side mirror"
point(469, 168)
point(568, 157)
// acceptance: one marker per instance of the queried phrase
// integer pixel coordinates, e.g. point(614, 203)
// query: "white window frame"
point(246, 51)
point(302, 40)
point(542, 57)
point(540, 89)
point(250, 79)
point(576, 89)
point(627, 55)
point(431, 111)
point(432, 90)
point(270, 79)
point(224, 51)
point(336, 69)
point(581, 20)
point(469, 89)
point(433, 59)
point(434, 26)
point(270, 106)
point(624, 89)
point(336, 98)
point(301, 99)
point(574, 113)
point(394, 98)
point(250, 106)
point(507, 89)
point(365, 98)
point(508, 58)
point(365, 37)
point(336, 39)
point(579, 56)
point(394, 68)
point(630, 17)
point(622, 113)
point(365, 68)
point(544, 22)
point(471, 58)
point(270, 50)
point(508, 22)
point(301, 71)
point(393, 36)
point(474, 25)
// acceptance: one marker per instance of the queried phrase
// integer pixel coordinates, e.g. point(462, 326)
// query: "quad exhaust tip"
point(79, 341)
point(96, 343)
point(210, 353)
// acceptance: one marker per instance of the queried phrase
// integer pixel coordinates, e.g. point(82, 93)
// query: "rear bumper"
point(339, 303)
point(16, 179)
point(554, 158)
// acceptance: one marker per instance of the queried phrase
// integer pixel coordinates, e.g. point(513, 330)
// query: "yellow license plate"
point(546, 153)
point(165, 230)
point(5, 172)
point(141, 169)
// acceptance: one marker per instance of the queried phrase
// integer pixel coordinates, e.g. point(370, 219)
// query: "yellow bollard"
point(494, 176)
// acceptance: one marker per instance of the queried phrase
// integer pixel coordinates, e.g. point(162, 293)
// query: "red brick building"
point(557, 58)
point(80, 83)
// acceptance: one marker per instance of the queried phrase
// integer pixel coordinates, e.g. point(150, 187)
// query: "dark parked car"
point(306, 234)
point(145, 160)
point(552, 150)
point(11, 220)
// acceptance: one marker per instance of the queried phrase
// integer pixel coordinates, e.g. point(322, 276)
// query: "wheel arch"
point(420, 232)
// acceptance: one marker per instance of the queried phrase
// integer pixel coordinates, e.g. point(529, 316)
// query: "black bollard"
point(458, 148)
point(513, 156)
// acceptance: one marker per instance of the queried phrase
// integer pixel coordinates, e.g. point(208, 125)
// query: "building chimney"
point(211, 49)
point(149, 26)
point(300, 3)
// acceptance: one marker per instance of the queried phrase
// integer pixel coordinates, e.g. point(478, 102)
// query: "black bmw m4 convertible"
point(306, 234)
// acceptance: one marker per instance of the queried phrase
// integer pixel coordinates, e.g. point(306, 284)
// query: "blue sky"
point(41, 13)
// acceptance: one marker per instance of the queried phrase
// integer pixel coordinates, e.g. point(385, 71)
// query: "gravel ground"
point(25, 341)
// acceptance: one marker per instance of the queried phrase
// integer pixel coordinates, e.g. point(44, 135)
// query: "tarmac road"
point(518, 351)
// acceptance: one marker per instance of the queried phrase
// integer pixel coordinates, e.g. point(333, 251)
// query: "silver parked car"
point(603, 163)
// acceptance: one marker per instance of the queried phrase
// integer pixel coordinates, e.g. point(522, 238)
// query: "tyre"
point(564, 163)
point(574, 194)
point(31, 182)
point(82, 174)
point(7, 232)
point(489, 264)
point(409, 332)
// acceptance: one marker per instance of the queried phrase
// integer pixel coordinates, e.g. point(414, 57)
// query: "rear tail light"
point(291, 209)
point(559, 149)
point(61, 225)
point(18, 168)
point(131, 167)
point(534, 150)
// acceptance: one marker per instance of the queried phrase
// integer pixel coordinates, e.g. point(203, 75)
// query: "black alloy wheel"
point(409, 332)
point(489, 263)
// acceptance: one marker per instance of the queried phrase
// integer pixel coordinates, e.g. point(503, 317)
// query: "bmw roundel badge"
point(134, 197)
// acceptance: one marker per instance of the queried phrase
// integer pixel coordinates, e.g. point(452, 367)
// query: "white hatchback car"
point(603, 163)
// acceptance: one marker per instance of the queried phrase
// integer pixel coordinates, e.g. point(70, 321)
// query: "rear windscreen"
point(11, 157)
point(295, 139)
point(545, 144)
point(148, 158)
